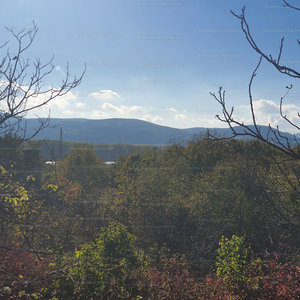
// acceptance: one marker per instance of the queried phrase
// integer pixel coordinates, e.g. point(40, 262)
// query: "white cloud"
point(79, 104)
point(35, 100)
point(209, 123)
point(158, 119)
point(16, 86)
point(59, 102)
point(134, 110)
point(58, 68)
point(124, 110)
point(60, 105)
point(263, 107)
point(67, 112)
point(104, 94)
point(172, 110)
point(268, 112)
point(147, 118)
point(181, 118)
point(155, 119)
point(109, 107)
point(99, 114)
point(70, 96)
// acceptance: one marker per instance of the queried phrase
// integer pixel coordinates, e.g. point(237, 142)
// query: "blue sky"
point(158, 61)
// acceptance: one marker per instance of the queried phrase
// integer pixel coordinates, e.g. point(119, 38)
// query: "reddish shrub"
point(264, 280)
point(169, 279)
point(23, 275)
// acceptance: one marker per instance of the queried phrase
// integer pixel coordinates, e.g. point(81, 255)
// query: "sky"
point(159, 61)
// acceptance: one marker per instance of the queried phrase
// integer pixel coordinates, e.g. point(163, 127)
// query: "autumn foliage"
point(23, 274)
point(187, 221)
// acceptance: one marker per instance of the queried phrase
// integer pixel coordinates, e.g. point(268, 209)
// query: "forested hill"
point(111, 131)
point(126, 131)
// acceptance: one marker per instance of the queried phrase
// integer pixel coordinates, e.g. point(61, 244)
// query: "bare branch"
point(274, 137)
point(250, 95)
point(288, 5)
point(282, 69)
point(17, 88)
point(281, 112)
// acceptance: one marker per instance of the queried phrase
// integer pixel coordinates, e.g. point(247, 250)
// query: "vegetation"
point(53, 150)
point(209, 219)
point(196, 221)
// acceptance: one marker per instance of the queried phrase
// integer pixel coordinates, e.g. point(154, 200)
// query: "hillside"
point(125, 131)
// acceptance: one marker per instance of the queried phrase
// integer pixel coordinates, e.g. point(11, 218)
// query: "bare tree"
point(18, 88)
point(284, 211)
point(275, 138)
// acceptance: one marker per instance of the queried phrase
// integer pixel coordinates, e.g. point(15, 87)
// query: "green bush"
point(232, 259)
point(99, 270)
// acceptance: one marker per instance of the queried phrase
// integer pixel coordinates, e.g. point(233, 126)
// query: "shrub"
point(99, 270)
point(263, 280)
point(232, 259)
point(169, 279)
point(23, 275)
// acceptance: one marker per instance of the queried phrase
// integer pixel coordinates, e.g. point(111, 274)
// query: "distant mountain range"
point(126, 131)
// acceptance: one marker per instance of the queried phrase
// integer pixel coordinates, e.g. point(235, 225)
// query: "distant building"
point(110, 162)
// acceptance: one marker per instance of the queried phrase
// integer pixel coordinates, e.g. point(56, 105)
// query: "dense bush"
point(99, 270)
